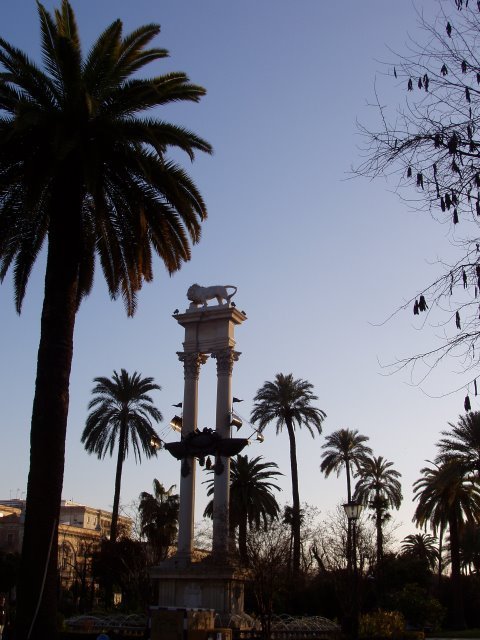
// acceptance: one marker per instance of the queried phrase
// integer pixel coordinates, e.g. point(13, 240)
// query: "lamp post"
point(352, 511)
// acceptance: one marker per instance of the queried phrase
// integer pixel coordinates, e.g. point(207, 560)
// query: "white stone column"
point(191, 365)
point(225, 359)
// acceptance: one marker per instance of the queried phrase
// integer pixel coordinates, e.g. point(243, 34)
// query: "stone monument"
point(217, 581)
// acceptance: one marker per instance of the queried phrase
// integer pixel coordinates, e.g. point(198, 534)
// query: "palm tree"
point(287, 402)
point(122, 411)
point(159, 518)
point(344, 448)
point(446, 495)
point(85, 174)
point(422, 546)
point(379, 488)
point(252, 503)
point(462, 442)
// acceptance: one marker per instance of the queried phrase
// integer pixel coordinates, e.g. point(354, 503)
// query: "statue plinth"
point(211, 328)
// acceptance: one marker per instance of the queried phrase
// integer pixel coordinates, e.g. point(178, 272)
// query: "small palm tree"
point(379, 488)
point(252, 503)
point(446, 495)
point(344, 448)
point(422, 546)
point(122, 412)
point(288, 403)
point(159, 518)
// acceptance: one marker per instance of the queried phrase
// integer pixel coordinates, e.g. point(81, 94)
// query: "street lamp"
point(352, 511)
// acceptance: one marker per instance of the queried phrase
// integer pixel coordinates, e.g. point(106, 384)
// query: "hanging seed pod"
point(394, 72)
point(475, 386)
point(409, 172)
point(464, 66)
point(422, 304)
point(444, 70)
point(469, 131)
point(466, 404)
point(457, 320)
point(454, 197)
point(420, 83)
point(476, 292)
point(415, 308)
point(464, 278)
point(455, 216)
point(420, 180)
point(426, 82)
point(448, 29)
point(467, 95)
point(453, 144)
point(442, 204)
point(448, 201)
point(410, 85)
point(478, 78)
point(477, 207)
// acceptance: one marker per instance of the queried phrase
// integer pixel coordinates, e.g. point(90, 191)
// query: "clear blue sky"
point(318, 260)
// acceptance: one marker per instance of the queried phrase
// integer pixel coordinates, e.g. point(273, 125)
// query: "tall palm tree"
point(252, 502)
point(83, 173)
point(379, 488)
point(462, 442)
point(288, 403)
point(122, 412)
point(422, 546)
point(344, 448)
point(159, 518)
point(446, 495)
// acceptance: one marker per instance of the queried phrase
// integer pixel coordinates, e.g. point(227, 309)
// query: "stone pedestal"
point(215, 582)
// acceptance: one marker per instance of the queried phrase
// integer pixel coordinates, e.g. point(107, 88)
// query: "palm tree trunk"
point(349, 522)
point(378, 525)
point(242, 539)
point(118, 481)
point(458, 613)
point(295, 499)
point(38, 578)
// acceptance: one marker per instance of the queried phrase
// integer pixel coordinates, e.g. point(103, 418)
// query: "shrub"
point(382, 624)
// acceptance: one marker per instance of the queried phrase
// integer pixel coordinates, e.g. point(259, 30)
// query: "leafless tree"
point(431, 146)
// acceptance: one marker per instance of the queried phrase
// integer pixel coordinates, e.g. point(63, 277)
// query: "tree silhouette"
point(85, 174)
point(159, 518)
point(430, 146)
point(447, 496)
point(379, 488)
point(422, 546)
point(121, 415)
point(287, 402)
point(252, 502)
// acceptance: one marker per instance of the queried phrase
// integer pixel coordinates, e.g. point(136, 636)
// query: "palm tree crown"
point(287, 403)
point(159, 518)
point(422, 546)
point(252, 501)
point(72, 141)
point(344, 448)
point(462, 442)
point(378, 486)
point(85, 172)
point(122, 411)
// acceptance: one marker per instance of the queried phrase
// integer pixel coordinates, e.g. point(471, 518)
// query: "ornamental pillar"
point(225, 359)
point(191, 367)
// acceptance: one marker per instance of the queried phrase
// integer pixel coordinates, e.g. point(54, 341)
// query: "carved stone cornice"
point(225, 359)
point(191, 363)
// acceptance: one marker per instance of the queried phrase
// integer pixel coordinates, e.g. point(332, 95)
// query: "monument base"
point(207, 584)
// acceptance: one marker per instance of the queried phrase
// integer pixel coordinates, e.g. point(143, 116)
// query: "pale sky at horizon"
point(320, 260)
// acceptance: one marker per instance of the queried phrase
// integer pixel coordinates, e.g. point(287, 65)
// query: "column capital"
point(225, 359)
point(192, 360)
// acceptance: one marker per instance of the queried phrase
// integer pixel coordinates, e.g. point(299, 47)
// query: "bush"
point(382, 624)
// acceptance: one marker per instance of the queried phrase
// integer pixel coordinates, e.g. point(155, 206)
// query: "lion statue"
point(201, 295)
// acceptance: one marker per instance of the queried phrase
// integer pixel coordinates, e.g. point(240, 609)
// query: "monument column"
point(225, 359)
point(191, 365)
